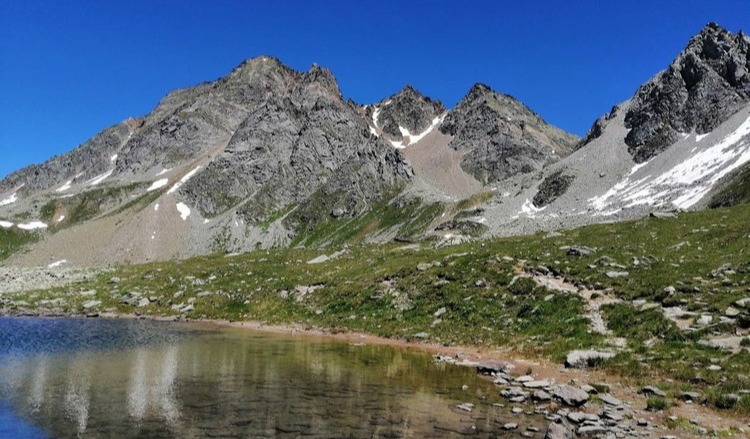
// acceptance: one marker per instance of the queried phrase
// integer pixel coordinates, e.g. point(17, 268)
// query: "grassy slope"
point(393, 291)
point(736, 192)
point(13, 240)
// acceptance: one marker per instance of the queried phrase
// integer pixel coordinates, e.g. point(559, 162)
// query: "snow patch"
point(163, 171)
point(113, 158)
point(206, 221)
point(529, 209)
point(414, 138)
point(32, 225)
point(375, 115)
point(10, 200)
point(100, 178)
point(57, 264)
point(686, 183)
point(158, 184)
point(183, 180)
point(6, 224)
point(398, 145)
point(184, 211)
point(156, 207)
point(59, 220)
point(64, 187)
point(699, 137)
point(374, 132)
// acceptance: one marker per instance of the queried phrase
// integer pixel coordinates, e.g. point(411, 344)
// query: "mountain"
point(502, 137)
point(682, 138)
point(269, 156)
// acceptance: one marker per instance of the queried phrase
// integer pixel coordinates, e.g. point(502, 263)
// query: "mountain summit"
point(707, 82)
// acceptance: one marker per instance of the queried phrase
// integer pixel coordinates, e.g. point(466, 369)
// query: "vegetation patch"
point(12, 240)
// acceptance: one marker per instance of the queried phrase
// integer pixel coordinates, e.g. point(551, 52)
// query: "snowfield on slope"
point(183, 180)
point(10, 200)
point(685, 183)
point(184, 211)
point(158, 184)
point(33, 225)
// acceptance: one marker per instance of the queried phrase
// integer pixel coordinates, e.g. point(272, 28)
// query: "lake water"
point(63, 378)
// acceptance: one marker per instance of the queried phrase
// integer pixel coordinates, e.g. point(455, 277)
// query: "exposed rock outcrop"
point(501, 136)
point(706, 84)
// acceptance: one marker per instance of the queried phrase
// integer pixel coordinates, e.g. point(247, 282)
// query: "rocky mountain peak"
point(478, 91)
point(503, 136)
point(323, 78)
point(261, 70)
point(408, 109)
point(704, 85)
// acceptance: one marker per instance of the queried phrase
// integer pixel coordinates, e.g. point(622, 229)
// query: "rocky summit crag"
point(269, 156)
point(501, 136)
point(708, 82)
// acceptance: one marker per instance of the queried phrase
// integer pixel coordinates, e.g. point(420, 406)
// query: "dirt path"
point(594, 300)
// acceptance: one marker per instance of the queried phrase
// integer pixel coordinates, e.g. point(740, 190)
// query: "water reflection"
point(233, 383)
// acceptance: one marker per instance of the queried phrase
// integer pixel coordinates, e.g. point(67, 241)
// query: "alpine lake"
point(97, 378)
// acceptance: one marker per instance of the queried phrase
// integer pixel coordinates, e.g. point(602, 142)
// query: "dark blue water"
point(27, 336)
point(11, 426)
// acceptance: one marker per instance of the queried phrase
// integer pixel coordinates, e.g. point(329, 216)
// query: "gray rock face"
point(292, 144)
point(551, 188)
point(408, 109)
point(83, 163)
point(708, 82)
point(502, 136)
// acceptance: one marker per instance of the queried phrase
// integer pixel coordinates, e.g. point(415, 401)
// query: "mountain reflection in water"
point(172, 380)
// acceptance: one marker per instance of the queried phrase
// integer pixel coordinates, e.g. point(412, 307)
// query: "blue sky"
point(70, 69)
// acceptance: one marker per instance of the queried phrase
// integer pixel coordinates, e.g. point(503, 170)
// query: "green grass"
point(656, 404)
point(13, 240)
point(394, 291)
point(737, 192)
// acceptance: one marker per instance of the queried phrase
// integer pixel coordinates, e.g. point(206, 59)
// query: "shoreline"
point(465, 356)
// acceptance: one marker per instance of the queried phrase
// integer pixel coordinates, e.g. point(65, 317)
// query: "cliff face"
point(706, 84)
point(501, 136)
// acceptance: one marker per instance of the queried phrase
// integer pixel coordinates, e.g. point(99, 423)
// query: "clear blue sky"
point(71, 68)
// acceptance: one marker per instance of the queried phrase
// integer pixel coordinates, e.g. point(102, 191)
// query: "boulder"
point(91, 304)
point(581, 359)
point(653, 391)
point(559, 431)
point(570, 395)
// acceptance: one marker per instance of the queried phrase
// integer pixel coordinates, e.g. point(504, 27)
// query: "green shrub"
point(522, 286)
point(656, 404)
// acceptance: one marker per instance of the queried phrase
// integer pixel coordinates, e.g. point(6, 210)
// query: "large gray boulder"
point(569, 395)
